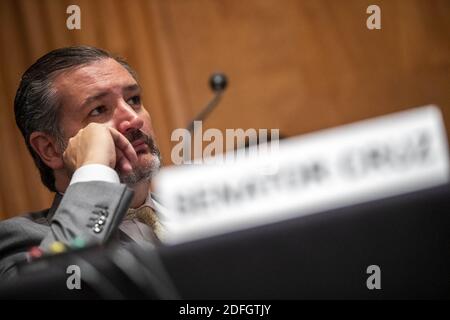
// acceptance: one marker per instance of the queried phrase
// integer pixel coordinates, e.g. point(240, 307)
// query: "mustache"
point(133, 135)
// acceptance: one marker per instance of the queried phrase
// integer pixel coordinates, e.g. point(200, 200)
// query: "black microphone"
point(218, 83)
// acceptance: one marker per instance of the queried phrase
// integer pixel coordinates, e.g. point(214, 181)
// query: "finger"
point(124, 145)
point(125, 165)
point(122, 162)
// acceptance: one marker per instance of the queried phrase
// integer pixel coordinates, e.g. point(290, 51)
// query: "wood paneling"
point(294, 65)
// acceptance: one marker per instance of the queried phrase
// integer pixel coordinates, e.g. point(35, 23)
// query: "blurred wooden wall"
point(294, 65)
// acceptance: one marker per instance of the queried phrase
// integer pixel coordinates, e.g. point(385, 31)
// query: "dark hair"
point(36, 104)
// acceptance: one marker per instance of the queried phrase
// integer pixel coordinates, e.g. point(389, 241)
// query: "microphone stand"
point(218, 82)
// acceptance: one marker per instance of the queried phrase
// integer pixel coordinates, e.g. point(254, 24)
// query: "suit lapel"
point(55, 205)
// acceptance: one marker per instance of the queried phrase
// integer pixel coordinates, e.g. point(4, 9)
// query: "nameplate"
point(333, 168)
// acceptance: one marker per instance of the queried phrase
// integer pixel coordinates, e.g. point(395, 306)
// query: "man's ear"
point(46, 147)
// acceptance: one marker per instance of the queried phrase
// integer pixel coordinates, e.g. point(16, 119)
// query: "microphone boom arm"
point(206, 110)
point(218, 82)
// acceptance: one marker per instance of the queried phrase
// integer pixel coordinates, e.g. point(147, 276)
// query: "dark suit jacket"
point(90, 210)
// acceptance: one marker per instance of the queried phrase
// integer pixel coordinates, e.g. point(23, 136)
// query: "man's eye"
point(136, 100)
point(97, 111)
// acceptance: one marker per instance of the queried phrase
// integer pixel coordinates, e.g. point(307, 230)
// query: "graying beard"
point(143, 173)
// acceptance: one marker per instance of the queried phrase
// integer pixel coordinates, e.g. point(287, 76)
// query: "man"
point(83, 121)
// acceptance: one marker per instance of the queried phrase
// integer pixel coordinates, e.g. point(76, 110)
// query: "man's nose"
point(126, 118)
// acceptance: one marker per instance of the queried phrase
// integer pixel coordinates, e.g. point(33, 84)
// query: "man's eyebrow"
point(94, 97)
point(132, 87)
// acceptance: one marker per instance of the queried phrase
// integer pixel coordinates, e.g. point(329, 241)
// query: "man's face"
point(105, 92)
